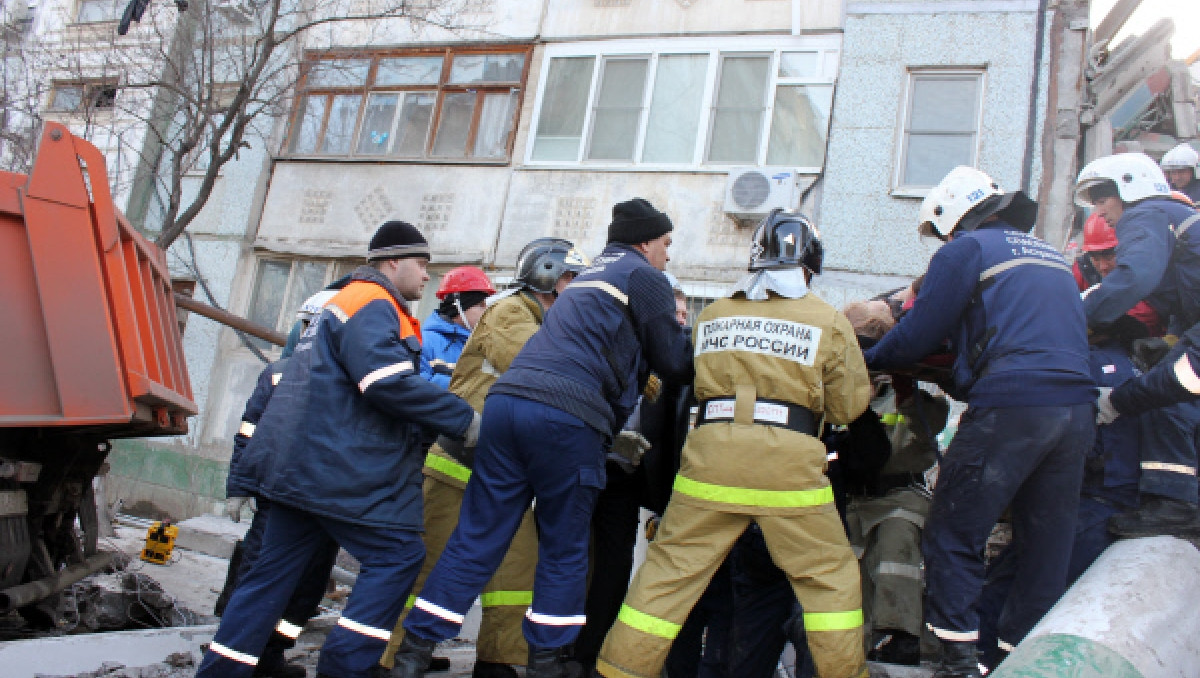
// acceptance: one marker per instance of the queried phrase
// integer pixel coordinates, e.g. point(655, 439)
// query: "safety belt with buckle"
point(770, 412)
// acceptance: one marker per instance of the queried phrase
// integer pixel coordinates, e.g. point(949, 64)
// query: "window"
point(737, 104)
point(444, 105)
point(77, 97)
point(941, 125)
point(93, 11)
point(282, 285)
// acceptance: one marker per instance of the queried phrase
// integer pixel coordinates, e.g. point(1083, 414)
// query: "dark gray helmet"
point(786, 240)
point(542, 262)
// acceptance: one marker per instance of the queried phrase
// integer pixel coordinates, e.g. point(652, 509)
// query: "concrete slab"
point(70, 655)
point(212, 535)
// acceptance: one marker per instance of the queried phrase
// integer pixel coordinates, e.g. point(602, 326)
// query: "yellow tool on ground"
point(160, 542)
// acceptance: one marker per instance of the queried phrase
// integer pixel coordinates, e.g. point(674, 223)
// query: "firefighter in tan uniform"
point(544, 267)
point(772, 361)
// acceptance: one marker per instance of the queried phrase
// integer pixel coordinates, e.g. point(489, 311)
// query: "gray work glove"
point(471, 437)
point(630, 446)
point(233, 507)
point(1105, 412)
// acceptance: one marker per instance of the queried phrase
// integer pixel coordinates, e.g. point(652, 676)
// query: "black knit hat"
point(635, 221)
point(397, 240)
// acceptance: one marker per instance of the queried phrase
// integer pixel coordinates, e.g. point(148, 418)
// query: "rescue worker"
point(1157, 259)
point(548, 421)
point(544, 268)
point(242, 488)
point(1171, 381)
point(615, 519)
point(462, 292)
point(1009, 305)
point(771, 360)
point(1097, 260)
point(1179, 165)
point(343, 433)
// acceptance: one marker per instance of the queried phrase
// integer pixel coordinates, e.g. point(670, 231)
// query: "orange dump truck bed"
point(89, 336)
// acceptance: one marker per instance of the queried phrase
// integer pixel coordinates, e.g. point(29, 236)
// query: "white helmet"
point(312, 306)
point(1182, 156)
point(1135, 175)
point(963, 189)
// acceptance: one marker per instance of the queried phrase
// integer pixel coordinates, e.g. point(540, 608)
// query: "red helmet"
point(465, 279)
point(1098, 235)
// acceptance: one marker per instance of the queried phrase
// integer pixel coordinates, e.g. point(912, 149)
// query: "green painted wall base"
point(1060, 655)
point(165, 477)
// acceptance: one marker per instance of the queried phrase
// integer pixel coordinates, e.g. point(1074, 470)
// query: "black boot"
point(1158, 515)
point(274, 665)
point(492, 670)
point(893, 646)
point(548, 663)
point(958, 661)
point(412, 658)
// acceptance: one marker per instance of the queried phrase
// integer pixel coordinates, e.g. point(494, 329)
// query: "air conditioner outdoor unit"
point(752, 192)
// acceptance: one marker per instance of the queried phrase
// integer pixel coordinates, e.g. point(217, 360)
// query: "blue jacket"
point(1151, 266)
point(1162, 386)
point(1113, 465)
point(1010, 308)
point(344, 428)
point(245, 472)
point(442, 342)
point(593, 352)
point(1192, 191)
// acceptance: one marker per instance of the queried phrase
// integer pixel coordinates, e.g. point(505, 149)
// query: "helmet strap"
point(458, 307)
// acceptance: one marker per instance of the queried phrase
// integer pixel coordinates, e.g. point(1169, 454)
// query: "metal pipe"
point(26, 594)
point(226, 318)
point(1031, 121)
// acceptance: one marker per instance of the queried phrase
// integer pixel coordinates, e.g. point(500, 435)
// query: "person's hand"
point(1105, 412)
point(233, 507)
point(631, 446)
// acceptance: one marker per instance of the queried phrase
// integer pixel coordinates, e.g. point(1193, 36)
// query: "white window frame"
point(899, 188)
point(828, 48)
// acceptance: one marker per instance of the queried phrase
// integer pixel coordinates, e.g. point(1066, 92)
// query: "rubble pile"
point(122, 600)
point(176, 665)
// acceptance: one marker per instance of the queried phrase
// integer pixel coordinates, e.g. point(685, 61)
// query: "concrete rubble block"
point(211, 535)
point(99, 654)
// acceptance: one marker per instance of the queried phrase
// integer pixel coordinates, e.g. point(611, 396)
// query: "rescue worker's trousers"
point(303, 604)
point(390, 559)
point(1169, 442)
point(892, 578)
point(528, 451)
point(1029, 458)
point(505, 598)
point(692, 542)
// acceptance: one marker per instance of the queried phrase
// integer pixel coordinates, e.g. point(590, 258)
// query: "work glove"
point(472, 436)
point(653, 388)
point(233, 507)
point(630, 446)
point(1147, 352)
point(652, 524)
point(1105, 412)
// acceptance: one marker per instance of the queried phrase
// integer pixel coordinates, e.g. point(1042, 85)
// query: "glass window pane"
point(340, 128)
point(743, 81)
point(564, 105)
point(413, 126)
point(799, 64)
point(737, 120)
point(409, 71)
point(309, 125)
point(930, 156)
point(269, 287)
point(943, 104)
point(96, 10)
point(338, 73)
point(799, 126)
point(495, 125)
point(618, 109)
point(67, 98)
point(377, 123)
point(308, 277)
point(675, 108)
point(469, 68)
point(454, 125)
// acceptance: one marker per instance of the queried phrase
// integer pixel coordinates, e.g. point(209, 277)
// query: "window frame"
point(439, 90)
point(332, 268)
point(827, 47)
point(913, 74)
point(75, 20)
point(90, 91)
